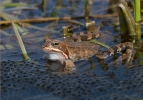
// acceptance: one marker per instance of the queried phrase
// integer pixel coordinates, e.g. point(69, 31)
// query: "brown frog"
point(77, 48)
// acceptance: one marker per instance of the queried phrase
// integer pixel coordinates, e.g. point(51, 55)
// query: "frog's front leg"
point(69, 65)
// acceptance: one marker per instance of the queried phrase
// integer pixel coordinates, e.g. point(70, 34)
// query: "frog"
point(79, 48)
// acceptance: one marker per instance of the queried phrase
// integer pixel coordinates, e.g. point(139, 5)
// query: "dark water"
point(32, 80)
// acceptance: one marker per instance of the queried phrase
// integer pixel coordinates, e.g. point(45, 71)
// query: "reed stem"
point(25, 55)
point(137, 15)
point(137, 10)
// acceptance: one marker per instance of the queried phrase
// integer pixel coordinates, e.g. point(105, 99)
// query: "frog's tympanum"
point(77, 48)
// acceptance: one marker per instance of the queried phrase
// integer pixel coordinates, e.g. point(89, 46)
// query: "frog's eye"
point(55, 43)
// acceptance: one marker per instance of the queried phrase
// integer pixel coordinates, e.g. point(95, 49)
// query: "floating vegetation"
point(6, 46)
point(9, 17)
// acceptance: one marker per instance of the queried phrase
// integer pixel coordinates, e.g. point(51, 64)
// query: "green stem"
point(126, 23)
point(44, 5)
point(137, 11)
point(138, 31)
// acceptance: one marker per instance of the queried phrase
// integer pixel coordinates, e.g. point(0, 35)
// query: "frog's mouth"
point(54, 53)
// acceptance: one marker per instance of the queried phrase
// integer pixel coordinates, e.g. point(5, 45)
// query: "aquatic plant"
point(25, 55)
point(129, 26)
point(87, 9)
point(137, 16)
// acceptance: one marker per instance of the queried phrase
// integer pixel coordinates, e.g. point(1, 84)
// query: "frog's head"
point(51, 46)
point(54, 49)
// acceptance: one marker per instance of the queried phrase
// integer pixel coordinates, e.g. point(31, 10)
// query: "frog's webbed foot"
point(129, 61)
point(126, 56)
point(69, 65)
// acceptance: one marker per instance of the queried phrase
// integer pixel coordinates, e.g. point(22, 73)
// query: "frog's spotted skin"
point(77, 47)
point(57, 50)
point(23, 80)
point(84, 36)
point(79, 51)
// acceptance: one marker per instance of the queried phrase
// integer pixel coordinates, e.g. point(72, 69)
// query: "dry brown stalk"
point(56, 18)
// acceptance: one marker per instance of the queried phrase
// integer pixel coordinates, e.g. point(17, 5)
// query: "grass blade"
point(99, 43)
point(25, 55)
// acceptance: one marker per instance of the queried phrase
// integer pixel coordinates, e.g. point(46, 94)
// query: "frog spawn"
point(13, 75)
point(20, 76)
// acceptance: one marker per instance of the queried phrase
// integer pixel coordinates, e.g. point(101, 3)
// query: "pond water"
point(94, 78)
